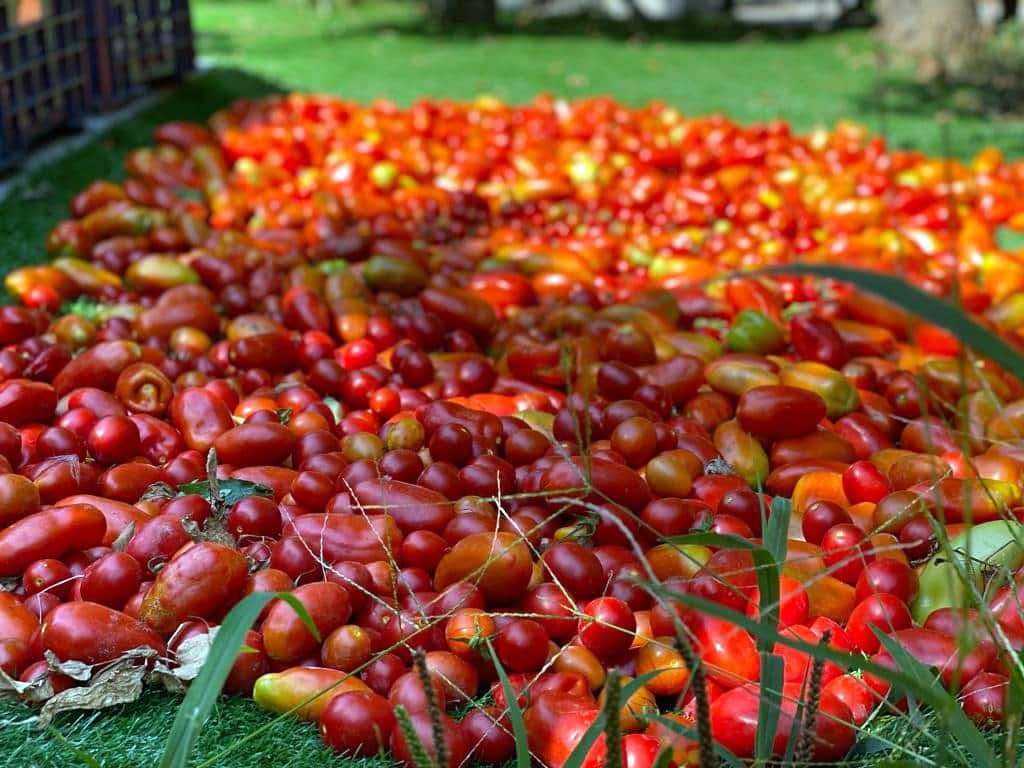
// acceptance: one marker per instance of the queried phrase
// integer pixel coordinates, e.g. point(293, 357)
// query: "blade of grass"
point(515, 712)
point(776, 530)
point(204, 690)
point(929, 308)
point(939, 700)
point(769, 706)
point(86, 759)
point(1012, 718)
point(691, 733)
point(579, 754)
point(765, 564)
point(946, 705)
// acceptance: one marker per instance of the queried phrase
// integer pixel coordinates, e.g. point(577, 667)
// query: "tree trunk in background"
point(939, 34)
point(482, 13)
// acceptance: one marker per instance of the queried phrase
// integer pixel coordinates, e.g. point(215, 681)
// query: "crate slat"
point(136, 42)
point(44, 72)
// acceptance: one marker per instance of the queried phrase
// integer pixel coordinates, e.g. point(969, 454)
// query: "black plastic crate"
point(134, 43)
point(44, 72)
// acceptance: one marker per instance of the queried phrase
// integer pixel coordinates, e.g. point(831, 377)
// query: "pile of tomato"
point(468, 375)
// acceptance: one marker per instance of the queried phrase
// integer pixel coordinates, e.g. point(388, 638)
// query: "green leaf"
point(204, 690)
point(929, 308)
point(284, 415)
point(769, 705)
point(229, 491)
point(515, 712)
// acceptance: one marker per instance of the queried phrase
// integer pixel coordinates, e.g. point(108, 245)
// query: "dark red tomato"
point(111, 580)
point(201, 581)
point(114, 439)
point(382, 673)
point(454, 740)
point(575, 568)
point(47, 576)
point(358, 723)
point(158, 540)
point(408, 691)
point(777, 412)
point(250, 664)
point(984, 698)
point(250, 445)
point(522, 645)
point(934, 649)
point(489, 736)
point(50, 533)
point(95, 634)
point(819, 517)
point(607, 627)
point(255, 517)
point(816, 339)
point(888, 575)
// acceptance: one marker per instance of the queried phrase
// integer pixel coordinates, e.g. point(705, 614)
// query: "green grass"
point(133, 736)
point(382, 50)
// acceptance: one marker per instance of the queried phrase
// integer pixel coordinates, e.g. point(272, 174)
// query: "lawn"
point(382, 50)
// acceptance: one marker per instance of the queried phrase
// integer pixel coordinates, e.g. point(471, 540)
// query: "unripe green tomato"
point(754, 333)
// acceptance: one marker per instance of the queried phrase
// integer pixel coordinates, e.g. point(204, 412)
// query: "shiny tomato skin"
point(248, 445)
point(95, 634)
point(50, 533)
point(608, 627)
point(286, 637)
point(111, 580)
point(984, 697)
point(358, 723)
point(779, 412)
point(555, 723)
point(201, 417)
point(201, 580)
point(886, 612)
point(17, 622)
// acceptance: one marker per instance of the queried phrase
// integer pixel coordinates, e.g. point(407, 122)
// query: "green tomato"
point(754, 333)
point(994, 546)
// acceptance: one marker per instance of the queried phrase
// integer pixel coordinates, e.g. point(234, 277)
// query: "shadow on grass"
point(695, 29)
point(994, 94)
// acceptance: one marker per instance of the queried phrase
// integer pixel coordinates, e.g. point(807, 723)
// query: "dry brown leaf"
point(36, 692)
point(118, 683)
